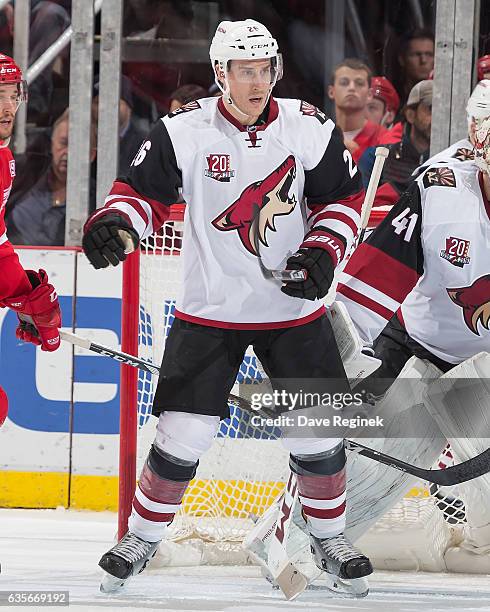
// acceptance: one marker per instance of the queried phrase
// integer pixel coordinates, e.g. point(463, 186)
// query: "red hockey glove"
point(4, 406)
point(38, 311)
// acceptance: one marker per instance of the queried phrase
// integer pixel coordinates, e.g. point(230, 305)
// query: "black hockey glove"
point(102, 242)
point(320, 268)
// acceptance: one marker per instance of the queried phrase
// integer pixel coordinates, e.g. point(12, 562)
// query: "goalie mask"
point(243, 40)
point(478, 111)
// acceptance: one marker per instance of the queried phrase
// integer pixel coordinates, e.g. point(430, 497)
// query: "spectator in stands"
point(383, 107)
point(483, 67)
point(48, 93)
point(416, 59)
point(130, 135)
point(39, 217)
point(350, 92)
point(406, 155)
point(185, 94)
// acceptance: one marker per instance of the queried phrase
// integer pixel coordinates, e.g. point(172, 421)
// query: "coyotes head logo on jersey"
point(254, 212)
point(475, 302)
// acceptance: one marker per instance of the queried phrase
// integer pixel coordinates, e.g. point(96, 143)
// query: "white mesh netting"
point(246, 468)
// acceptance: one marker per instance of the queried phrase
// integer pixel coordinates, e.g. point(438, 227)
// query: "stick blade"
point(291, 581)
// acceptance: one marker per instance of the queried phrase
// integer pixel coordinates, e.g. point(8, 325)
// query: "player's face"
point(9, 103)
point(59, 150)
point(375, 110)
point(350, 91)
point(250, 83)
point(419, 59)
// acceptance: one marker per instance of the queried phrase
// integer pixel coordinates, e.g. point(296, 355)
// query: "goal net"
point(247, 467)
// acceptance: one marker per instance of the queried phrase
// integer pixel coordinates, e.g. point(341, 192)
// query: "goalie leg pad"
point(460, 404)
point(172, 462)
point(321, 485)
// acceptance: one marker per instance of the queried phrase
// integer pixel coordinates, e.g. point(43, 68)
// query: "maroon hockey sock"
point(323, 502)
point(158, 496)
point(321, 486)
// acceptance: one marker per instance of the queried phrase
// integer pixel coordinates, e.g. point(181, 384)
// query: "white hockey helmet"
point(243, 40)
point(478, 111)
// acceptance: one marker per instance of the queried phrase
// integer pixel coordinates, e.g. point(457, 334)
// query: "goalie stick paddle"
point(456, 474)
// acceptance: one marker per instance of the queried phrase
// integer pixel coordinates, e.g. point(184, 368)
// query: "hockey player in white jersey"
point(269, 185)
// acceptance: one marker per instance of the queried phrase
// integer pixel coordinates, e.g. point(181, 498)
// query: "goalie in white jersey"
point(269, 185)
point(432, 301)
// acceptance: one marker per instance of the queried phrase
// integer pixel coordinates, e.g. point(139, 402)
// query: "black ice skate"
point(345, 568)
point(127, 558)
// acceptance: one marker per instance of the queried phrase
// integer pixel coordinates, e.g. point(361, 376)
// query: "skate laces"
point(131, 548)
point(339, 548)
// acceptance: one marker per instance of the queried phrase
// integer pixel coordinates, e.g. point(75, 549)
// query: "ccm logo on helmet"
point(3, 70)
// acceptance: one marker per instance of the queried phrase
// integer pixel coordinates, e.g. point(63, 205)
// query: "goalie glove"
point(38, 312)
point(107, 238)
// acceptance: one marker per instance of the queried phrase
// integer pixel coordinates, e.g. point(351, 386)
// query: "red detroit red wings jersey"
point(293, 169)
point(13, 279)
point(428, 261)
point(7, 174)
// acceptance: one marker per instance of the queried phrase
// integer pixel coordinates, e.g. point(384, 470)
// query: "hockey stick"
point(301, 275)
point(456, 474)
point(282, 275)
point(380, 155)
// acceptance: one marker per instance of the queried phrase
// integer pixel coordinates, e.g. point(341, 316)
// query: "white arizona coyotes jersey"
point(249, 191)
point(428, 262)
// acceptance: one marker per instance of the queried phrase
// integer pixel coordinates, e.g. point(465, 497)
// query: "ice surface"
point(59, 550)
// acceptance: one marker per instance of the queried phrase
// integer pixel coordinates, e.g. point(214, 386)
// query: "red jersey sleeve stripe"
point(338, 216)
point(381, 271)
point(363, 300)
point(159, 211)
point(353, 201)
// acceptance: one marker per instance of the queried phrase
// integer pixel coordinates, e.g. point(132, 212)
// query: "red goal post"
point(128, 419)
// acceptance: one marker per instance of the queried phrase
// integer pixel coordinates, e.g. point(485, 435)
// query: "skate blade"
point(357, 588)
point(111, 584)
point(291, 581)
